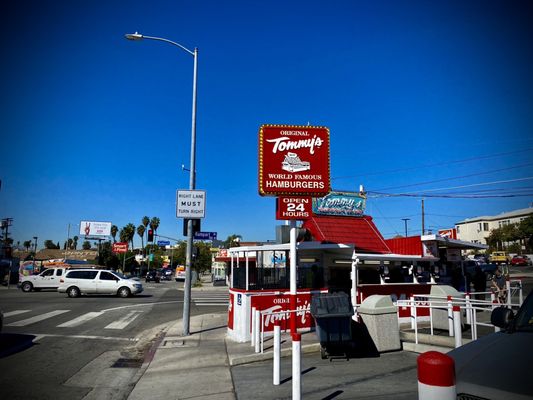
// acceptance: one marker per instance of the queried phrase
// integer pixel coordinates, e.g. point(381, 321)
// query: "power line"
point(391, 171)
point(457, 177)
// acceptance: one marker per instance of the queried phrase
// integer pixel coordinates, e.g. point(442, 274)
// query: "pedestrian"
point(499, 285)
point(480, 283)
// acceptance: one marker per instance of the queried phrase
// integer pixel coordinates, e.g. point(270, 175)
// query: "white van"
point(48, 279)
point(97, 281)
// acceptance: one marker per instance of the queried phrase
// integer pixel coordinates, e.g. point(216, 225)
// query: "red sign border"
point(264, 192)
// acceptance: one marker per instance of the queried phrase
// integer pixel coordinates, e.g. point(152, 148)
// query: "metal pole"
point(192, 185)
point(405, 223)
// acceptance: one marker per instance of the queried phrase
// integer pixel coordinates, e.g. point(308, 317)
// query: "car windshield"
point(524, 318)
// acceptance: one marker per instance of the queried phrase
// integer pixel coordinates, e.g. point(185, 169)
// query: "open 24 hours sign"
point(293, 160)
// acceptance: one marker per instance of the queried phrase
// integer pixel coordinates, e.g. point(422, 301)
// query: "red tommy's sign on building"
point(293, 160)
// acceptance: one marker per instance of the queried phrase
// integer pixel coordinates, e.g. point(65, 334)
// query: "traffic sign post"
point(190, 204)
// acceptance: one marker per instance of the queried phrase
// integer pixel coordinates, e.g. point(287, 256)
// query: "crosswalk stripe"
point(80, 320)
point(124, 321)
point(16, 312)
point(211, 304)
point(37, 318)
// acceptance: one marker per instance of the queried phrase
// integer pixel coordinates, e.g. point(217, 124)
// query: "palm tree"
point(114, 231)
point(232, 241)
point(27, 245)
point(75, 244)
point(130, 233)
point(140, 232)
point(146, 222)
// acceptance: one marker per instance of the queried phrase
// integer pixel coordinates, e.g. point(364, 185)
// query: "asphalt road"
point(55, 347)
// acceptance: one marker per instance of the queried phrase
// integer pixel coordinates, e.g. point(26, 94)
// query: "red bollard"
point(436, 376)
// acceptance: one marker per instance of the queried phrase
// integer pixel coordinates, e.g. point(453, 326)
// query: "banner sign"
point(277, 303)
point(340, 203)
point(299, 208)
point(120, 247)
point(94, 228)
point(190, 204)
point(293, 160)
point(449, 233)
point(205, 235)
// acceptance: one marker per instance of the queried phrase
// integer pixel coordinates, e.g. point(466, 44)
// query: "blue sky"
point(95, 127)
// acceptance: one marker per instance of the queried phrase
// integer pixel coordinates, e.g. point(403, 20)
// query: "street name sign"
point(190, 204)
point(162, 243)
point(205, 235)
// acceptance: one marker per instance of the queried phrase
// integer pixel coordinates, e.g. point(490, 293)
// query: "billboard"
point(293, 160)
point(94, 228)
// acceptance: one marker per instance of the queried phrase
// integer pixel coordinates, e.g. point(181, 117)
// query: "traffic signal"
point(150, 235)
point(196, 226)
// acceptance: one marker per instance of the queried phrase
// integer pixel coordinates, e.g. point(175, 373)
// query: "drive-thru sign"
point(190, 204)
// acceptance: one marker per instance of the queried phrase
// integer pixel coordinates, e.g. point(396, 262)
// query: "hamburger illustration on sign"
point(293, 160)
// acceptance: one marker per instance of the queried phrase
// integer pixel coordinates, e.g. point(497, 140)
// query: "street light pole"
point(192, 176)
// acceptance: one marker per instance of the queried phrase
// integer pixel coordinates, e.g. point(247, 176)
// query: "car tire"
point(124, 292)
point(26, 287)
point(73, 291)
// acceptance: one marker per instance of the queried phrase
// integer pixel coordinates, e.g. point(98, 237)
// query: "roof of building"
point(359, 231)
point(511, 214)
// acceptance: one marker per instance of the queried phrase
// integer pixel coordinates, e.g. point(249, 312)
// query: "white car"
point(97, 281)
point(48, 279)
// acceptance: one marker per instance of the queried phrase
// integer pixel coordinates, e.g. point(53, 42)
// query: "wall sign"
point(340, 203)
point(299, 208)
point(293, 160)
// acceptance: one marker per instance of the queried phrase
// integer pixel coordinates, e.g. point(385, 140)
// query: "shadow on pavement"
point(11, 343)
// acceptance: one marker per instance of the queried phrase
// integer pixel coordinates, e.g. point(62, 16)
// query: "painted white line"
point(16, 312)
point(38, 318)
point(124, 321)
point(142, 305)
point(211, 304)
point(44, 335)
point(80, 320)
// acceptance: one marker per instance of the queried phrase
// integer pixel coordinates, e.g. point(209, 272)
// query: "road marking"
point(211, 304)
point(16, 312)
point(142, 305)
point(80, 320)
point(124, 321)
point(44, 335)
point(38, 318)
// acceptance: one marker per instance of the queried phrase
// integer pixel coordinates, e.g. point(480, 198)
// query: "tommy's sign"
point(340, 203)
point(293, 160)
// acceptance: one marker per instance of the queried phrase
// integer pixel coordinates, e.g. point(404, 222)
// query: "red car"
point(520, 260)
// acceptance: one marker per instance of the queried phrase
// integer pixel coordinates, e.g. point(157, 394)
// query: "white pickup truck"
point(48, 279)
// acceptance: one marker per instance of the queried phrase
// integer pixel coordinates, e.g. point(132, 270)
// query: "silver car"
point(498, 366)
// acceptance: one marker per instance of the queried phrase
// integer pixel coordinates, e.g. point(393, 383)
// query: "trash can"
point(440, 314)
point(332, 313)
point(380, 317)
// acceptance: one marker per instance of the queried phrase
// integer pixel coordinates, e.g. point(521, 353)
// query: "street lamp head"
point(134, 36)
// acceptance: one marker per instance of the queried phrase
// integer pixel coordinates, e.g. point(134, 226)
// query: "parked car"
point(153, 276)
point(497, 366)
point(48, 279)
point(96, 281)
point(499, 257)
point(520, 261)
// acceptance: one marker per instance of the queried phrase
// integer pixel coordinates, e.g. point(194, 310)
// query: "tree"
point(48, 244)
point(232, 241)
point(140, 232)
point(75, 242)
point(86, 245)
point(114, 231)
point(27, 245)
point(127, 233)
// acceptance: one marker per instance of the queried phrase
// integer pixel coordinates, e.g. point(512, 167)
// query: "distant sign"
point(205, 235)
point(299, 208)
point(190, 204)
point(449, 233)
point(162, 243)
point(340, 203)
point(120, 247)
point(94, 228)
point(293, 160)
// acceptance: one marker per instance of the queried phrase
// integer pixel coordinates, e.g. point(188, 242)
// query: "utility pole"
point(405, 222)
point(423, 219)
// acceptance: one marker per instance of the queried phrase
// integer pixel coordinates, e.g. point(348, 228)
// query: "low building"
point(477, 229)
